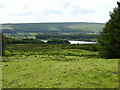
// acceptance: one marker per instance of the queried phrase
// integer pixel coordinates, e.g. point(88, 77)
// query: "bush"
point(58, 41)
point(21, 41)
point(7, 53)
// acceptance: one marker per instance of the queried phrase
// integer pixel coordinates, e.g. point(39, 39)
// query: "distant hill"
point(45, 28)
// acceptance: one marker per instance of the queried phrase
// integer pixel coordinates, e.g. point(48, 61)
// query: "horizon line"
point(48, 22)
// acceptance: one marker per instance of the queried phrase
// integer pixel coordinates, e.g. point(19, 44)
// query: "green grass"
point(57, 66)
point(88, 27)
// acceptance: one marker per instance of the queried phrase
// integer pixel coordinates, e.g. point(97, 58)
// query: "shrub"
point(7, 53)
point(58, 41)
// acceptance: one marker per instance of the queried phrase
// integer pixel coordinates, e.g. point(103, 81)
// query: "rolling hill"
point(46, 28)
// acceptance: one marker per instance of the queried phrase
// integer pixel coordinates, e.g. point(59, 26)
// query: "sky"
point(38, 11)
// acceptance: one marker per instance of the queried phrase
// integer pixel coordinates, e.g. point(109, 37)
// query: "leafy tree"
point(109, 40)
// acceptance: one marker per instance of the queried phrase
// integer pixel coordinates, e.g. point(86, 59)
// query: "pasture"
point(57, 66)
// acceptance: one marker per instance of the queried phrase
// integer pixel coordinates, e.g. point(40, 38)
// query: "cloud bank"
point(34, 11)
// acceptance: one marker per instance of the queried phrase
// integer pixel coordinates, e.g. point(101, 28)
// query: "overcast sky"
point(37, 11)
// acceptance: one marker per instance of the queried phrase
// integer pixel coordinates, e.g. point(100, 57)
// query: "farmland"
point(69, 30)
point(57, 66)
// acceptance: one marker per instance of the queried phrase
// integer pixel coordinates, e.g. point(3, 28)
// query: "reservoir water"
point(81, 42)
point(77, 42)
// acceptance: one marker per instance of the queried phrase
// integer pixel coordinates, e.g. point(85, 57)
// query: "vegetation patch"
point(57, 66)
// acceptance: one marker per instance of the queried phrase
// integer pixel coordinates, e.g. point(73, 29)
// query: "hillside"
point(71, 27)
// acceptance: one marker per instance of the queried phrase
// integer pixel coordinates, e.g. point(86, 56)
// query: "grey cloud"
point(66, 5)
point(39, 18)
point(27, 13)
point(48, 12)
point(77, 10)
point(2, 6)
point(84, 11)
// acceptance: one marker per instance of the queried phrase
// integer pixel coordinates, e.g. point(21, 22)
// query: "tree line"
point(84, 37)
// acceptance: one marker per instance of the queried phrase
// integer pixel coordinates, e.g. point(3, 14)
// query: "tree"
point(109, 40)
point(2, 44)
point(58, 41)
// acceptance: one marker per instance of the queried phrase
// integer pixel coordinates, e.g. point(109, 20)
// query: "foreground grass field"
point(57, 66)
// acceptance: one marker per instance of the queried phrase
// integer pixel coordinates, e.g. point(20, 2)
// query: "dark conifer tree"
point(109, 40)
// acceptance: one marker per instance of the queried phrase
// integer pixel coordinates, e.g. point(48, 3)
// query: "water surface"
point(76, 42)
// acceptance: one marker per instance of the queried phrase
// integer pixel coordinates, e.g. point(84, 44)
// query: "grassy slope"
point(88, 27)
point(56, 27)
point(53, 66)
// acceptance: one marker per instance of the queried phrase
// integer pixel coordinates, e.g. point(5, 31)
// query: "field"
point(57, 66)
